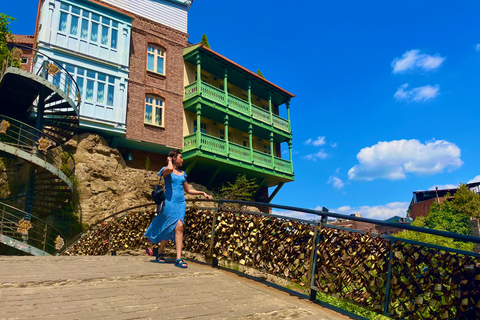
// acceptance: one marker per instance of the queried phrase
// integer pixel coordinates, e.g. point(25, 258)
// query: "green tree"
point(5, 34)
point(205, 41)
point(260, 73)
point(242, 189)
point(447, 216)
point(466, 202)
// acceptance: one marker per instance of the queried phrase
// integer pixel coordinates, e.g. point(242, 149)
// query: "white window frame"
point(87, 15)
point(156, 52)
point(157, 102)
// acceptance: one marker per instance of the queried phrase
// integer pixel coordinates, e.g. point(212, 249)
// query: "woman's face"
point(178, 160)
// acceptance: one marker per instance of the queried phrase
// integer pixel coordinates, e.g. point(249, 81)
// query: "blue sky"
point(387, 98)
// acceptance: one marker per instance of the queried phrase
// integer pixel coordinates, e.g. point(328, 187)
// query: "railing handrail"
point(42, 133)
point(56, 63)
point(2, 204)
point(322, 214)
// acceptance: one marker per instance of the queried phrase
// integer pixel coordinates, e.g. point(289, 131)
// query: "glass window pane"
point(95, 17)
point(158, 116)
point(80, 71)
point(63, 22)
point(75, 10)
point(80, 85)
point(102, 77)
point(111, 79)
point(150, 62)
point(148, 113)
point(90, 74)
point(105, 21)
point(70, 68)
point(114, 24)
point(159, 64)
point(104, 35)
point(89, 95)
point(86, 13)
point(100, 92)
point(74, 25)
point(111, 90)
point(94, 32)
point(113, 44)
point(84, 32)
point(64, 6)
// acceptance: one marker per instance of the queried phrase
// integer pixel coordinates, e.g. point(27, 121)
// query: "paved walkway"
point(129, 287)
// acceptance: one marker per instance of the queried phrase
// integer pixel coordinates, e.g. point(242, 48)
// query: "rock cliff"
point(103, 183)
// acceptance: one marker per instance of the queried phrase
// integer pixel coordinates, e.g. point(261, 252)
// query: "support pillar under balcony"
point(199, 126)
point(274, 193)
point(227, 146)
point(271, 150)
point(288, 116)
point(250, 141)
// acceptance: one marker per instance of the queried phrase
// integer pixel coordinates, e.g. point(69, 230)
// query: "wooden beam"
point(274, 193)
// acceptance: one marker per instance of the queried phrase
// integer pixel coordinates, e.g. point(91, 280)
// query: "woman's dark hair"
point(174, 153)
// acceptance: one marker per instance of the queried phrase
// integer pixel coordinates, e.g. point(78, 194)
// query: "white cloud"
point(320, 141)
point(337, 182)
point(476, 179)
point(477, 47)
point(419, 94)
point(392, 160)
point(379, 212)
point(414, 60)
point(316, 156)
point(443, 186)
point(296, 214)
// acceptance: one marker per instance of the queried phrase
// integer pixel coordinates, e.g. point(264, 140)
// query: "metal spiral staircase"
point(39, 112)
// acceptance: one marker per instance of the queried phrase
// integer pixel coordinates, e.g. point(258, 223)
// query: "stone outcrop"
point(104, 184)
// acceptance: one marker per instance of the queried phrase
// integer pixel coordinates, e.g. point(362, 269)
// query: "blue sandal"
point(160, 258)
point(181, 264)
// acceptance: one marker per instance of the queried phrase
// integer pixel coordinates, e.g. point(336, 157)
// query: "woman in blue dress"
point(169, 223)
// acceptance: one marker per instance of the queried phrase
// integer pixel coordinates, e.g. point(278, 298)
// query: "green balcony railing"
point(218, 147)
point(236, 104)
point(239, 152)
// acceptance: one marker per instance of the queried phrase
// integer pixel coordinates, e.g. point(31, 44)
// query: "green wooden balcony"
point(219, 148)
point(234, 103)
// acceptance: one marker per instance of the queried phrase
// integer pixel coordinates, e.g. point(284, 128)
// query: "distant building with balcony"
point(423, 200)
point(26, 41)
point(232, 123)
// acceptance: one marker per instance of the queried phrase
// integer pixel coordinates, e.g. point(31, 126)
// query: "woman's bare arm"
point(169, 168)
point(187, 189)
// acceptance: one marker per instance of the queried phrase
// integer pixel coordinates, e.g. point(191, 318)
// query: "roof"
point(419, 196)
point(200, 46)
point(20, 38)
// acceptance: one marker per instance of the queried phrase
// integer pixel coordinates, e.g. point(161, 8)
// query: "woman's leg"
point(163, 244)
point(179, 238)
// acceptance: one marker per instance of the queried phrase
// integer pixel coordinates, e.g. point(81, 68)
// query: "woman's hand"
point(207, 196)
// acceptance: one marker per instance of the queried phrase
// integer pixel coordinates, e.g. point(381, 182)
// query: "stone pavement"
point(132, 287)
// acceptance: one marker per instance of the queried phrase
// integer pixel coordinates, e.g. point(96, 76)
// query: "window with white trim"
point(156, 59)
point(154, 108)
point(89, 26)
point(94, 86)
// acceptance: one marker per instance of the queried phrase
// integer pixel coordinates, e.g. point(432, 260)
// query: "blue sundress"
point(163, 225)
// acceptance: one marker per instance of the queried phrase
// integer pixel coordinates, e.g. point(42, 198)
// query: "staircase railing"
point(35, 232)
point(57, 74)
point(19, 135)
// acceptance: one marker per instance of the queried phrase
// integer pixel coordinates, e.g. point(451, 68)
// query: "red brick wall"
point(421, 209)
point(169, 87)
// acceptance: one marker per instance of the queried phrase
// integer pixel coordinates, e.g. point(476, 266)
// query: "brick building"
point(26, 44)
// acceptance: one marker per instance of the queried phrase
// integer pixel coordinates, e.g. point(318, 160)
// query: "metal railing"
point(40, 145)
point(57, 74)
point(219, 147)
point(39, 234)
point(235, 103)
point(399, 278)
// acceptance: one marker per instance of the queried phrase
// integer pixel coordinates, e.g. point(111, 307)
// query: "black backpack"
point(158, 193)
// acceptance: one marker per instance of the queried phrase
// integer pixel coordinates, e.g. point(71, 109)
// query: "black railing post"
point(313, 264)
point(389, 277)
